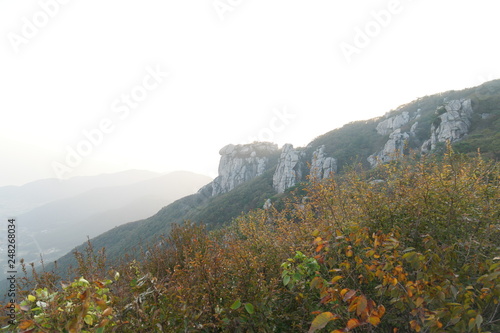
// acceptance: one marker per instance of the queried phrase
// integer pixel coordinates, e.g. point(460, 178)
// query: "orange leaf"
point(24, 325)
point(353, 305)
point(381, 310)
point(415, 326)
point(353, 323)
point(99, 284)
point(103, 322)
point(107, 312)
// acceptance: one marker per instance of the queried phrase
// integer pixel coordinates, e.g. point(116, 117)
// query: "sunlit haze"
point(90, 87)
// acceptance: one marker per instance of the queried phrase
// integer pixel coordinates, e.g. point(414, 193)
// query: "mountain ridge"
point(283, 169)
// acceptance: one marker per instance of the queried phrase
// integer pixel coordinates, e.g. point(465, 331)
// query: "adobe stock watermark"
point(31, 26)
point(122, 106)
point(282, 117)
point(222, 7)
point(363, 36)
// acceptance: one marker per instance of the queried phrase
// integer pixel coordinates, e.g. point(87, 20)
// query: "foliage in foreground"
point(410, 247)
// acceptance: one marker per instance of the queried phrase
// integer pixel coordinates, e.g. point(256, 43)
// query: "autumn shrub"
point(411, 246)
point(416, 250)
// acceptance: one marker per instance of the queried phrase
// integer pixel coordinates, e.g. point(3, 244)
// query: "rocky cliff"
point(452, 124)
point(290, 168)
point(239, 164)
point(294, 166)
point(406, 128)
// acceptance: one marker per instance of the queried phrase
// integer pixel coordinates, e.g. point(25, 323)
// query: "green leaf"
point(321, 321)
point(286, 280)
point(249, 307)
point(236, 305)
point(479, 321)
point(410, 256)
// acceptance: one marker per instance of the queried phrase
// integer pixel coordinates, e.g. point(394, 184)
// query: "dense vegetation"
point(411, 246)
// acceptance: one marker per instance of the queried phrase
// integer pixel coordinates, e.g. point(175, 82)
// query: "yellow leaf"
point(338, 277)
point(89, 320)
point(321, 321)
point(31, 298)
point(374, 320)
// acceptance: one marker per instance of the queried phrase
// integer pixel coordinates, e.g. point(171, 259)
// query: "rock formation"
point(321, 165)
point(239, 164)
point(452, 125)
point(393, 123)
point(290, 168)
point(393, 148)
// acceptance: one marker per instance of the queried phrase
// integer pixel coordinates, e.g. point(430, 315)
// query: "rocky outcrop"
point(452, 125)
point(321, 165)
point(239, 164)
point(290, 169)
point(393, 123)
point(393, 148)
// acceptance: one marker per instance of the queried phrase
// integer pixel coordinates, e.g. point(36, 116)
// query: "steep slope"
point(201, 207)
point(249, 174)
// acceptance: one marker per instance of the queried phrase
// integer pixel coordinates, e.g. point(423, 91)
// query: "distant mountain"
point(56, 227)
point(255, 174)
point(15, 200)
point(88, 206)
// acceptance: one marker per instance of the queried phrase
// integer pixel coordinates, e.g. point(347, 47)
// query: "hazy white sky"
point(89, 78)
